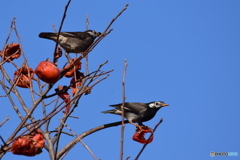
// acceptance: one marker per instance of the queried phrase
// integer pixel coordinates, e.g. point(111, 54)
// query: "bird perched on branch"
point(137, 112)
point(73, 42)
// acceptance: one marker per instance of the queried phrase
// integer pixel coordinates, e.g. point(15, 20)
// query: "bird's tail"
point(113, 111)
point(107, 111)
point(48, 35)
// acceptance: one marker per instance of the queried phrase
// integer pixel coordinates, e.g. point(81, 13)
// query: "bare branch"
point(89, 150)
point(122, 109)
point(140, 152)
point(87, 133)
point(104, 34)
point(28, 123)
point(119, 14)
point(60, 28)
point(128, 157)
point(4, 121)
point(77, 96)
point(10, 31)
point(87, 62)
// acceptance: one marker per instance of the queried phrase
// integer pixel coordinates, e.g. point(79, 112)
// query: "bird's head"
point(93, 33)
point(157, 104)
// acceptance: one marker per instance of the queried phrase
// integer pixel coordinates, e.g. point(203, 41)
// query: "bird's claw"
point(142, 127)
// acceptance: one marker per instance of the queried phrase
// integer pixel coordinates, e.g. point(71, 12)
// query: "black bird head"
point(157, 104)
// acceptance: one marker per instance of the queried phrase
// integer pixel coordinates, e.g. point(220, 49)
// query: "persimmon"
point(47, 72)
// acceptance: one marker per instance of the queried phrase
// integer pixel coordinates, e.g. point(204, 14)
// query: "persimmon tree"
point(33, 134)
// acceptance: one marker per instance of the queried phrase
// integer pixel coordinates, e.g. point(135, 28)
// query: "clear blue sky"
point(186, 53)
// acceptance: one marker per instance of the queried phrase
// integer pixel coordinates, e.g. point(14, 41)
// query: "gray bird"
point(73, 42)
point(137, 112)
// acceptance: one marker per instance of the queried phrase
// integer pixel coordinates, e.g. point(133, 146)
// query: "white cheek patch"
point(91, 33)
point(151, 105)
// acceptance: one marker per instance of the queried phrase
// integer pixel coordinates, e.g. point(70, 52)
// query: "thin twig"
point(38, 123)
point(9, 33)
point(122, 109)
point(107, 31)
point(92, 78)
point(100, 81)
point(4, 121)
point(19, 41)
point(62, 132)
point(74, 101)
point(94, 44)
point(77, 96)
point(119, 14)
point(54, 28)
point(87, 62)
point(100, 66)
point(29, 114)
point(89, 150)
point(140, 152)
point(60, 28)
point(87, 133)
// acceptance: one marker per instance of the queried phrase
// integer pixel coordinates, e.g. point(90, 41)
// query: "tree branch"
point(122, 109)
point(144, 146)
point(4, 121)
point(89, 150)
point(60, 28)
point(87, 133)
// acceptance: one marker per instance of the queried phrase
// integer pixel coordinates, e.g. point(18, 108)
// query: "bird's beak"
point(165, 105)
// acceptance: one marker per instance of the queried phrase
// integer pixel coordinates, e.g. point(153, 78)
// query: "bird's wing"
point(132, 107)
point(80, 35)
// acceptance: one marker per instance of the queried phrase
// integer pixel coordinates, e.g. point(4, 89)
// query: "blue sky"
point(185, 53)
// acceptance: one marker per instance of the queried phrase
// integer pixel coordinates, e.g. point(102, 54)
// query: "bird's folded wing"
point(79, 35)
point(131, 107)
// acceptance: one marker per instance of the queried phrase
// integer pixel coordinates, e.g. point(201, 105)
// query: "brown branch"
point(60, 28)
point(92, 78)
point(89, 150)
point(79, 93)
point(29, 113)
point(87, 62)
point(34, 125)
point(8, 95)
point(87, 133)
point(19, 41)
point(9, 33)
point(140, 152)
point(100, 81)
point(4, 121)
point(104, 34)
point(100, 66)
point(86, 53)
point(119, 14)
point(122, 108)
point(128, 157)
point(44, 93)
point(62, 132)
point(54, 28)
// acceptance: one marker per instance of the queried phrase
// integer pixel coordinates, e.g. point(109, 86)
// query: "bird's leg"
point(138, 126)
point(142, 127)
point(68, 57)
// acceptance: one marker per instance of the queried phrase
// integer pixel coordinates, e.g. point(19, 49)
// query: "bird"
point(136, 112)
point(73, 42)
